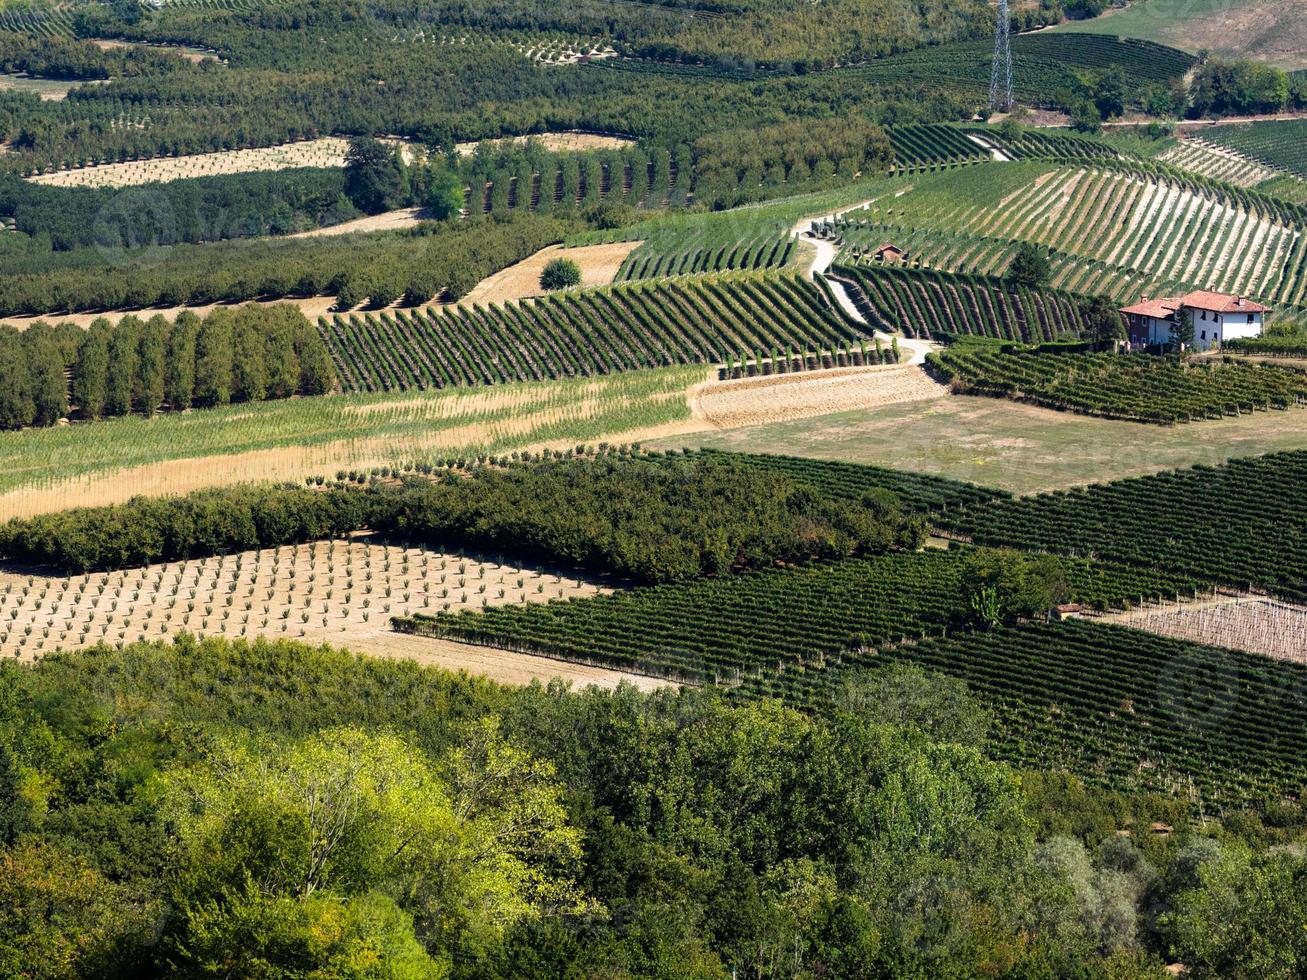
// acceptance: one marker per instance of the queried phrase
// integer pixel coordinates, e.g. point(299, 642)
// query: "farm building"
point(1217, 317)
point(890, 253)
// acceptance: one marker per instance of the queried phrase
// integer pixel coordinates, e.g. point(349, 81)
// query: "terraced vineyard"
point(577, 334)
point(764, 252)
point(929, 304)
point(1137, 387)
point(1036, 144)
point(769, 624)
point(1217, 162)
point(1117, 707)
point(1180, 521)
point(1281, 144)
point(1139, 232)
point(851, 480)
point(929, 145)
point(54, 22)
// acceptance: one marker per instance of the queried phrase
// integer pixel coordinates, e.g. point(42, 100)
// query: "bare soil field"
point(785, 397)
point(387, 221)
point(599, 265)
point(1252, 623)
point(327, 151)
point(340, 592)
point(561, 142)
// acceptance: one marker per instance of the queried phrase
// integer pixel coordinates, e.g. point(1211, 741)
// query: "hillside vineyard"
point(698, 490)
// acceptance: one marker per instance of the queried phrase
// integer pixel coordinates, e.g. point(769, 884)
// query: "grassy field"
point(44, 470)
point(1015, 447)
point(1270, 30)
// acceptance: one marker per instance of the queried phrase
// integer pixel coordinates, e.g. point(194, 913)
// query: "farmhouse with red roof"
point(1217, 317)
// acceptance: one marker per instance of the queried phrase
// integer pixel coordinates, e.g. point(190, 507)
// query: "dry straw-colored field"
point(340, 592)
point(785, 397)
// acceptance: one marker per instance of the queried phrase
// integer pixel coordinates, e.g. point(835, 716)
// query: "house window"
point(1204, 335)
point(1204, 314)
point(1250, 318)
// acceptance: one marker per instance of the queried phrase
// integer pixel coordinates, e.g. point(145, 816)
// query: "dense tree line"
point(738, 166)
point(143, 366)
point(428, 261)
point(487, 832)
point(654, 520)
point(203, 209)
point(54, 57)
point(206, 522)
point(1243, 87)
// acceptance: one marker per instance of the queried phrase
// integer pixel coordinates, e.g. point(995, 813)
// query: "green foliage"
point(657, 520)
point(1182, 330)
point(1030, 266)
point(560, 274)
point(908, 697)
point(206, 522)
point(373, 178)
point(1002, 588)
point(1242, 88)
point(445, 194)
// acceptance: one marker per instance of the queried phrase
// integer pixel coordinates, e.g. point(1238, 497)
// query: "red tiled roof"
point(889, 248)
point(1202, 299)
point(1160, 309)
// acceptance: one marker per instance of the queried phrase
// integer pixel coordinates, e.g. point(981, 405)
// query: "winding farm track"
point(824, 256)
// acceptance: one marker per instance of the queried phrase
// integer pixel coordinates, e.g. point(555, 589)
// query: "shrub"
point(560, 274)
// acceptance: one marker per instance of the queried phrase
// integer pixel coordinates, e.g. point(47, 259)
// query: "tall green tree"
point(179, 364)
point(16, 408)
point(123, 360)
point(1182, 330)
point(373, 178)
point(214, 350)
point(91, 372)
point(45, 368)
point(445, 193)
point(249, 376)
point(1030, 266)
point(151, 365)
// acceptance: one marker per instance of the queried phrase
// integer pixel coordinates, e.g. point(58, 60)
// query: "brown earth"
point(599, 265)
